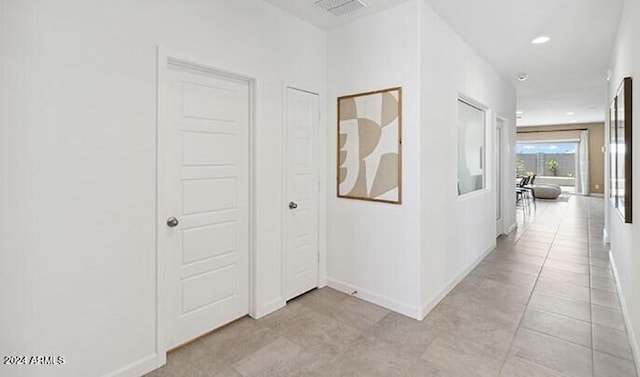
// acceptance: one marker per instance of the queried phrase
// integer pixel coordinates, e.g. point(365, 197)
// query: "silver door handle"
point(293, 205)
point(172, 222)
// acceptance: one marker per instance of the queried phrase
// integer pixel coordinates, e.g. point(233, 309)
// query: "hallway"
point(542, 304)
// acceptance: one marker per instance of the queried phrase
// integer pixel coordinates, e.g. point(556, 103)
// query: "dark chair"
point(529, 187)
point(523, 181)
point(524, 193)
point(521, 193)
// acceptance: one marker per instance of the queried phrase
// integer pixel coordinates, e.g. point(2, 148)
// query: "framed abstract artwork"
point(612, 153)
point(369, 150)
point(622, 194)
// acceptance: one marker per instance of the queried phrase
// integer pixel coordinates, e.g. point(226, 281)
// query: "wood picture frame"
point(612, 153)
point(369, 146)
point(621, 149)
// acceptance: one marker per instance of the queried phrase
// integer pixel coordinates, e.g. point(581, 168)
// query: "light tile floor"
point(543, 304)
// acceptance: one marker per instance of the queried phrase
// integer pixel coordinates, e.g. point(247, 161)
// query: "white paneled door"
point(204, 200)
point(301, 238)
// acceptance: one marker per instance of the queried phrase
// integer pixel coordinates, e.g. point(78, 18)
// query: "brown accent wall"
point(569, 131)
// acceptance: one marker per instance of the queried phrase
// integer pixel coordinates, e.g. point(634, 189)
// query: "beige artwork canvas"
point(370, 146)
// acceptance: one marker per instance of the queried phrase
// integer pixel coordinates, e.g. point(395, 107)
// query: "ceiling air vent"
point(340, 7)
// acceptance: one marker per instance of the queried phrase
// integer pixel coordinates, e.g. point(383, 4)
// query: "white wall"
point(406, 257)
point(373, 247)
point(456, 231)
point(625, 238)
point(77, 164)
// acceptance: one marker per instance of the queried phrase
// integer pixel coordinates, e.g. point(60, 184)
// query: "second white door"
point(301, 229)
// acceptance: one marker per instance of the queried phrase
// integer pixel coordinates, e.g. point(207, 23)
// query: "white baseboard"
point(137, 368)
point(391, 304)
point(269, 307)
point(635, 347)
point(597, 194)
point(605, 236)
point(426, 309)
point(511, 228)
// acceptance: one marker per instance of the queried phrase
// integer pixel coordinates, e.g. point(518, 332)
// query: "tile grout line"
point(593, 352)
point(590, 306)
point(593, 324)
point(532, 289)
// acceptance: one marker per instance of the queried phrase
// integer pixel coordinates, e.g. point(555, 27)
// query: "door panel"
point(197, 198)
point(206, 148)
point(207, 190)
point(209, 287)
point(208, 241)
point(301, 259)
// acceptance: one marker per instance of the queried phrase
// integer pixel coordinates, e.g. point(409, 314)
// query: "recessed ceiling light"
point(571, 113)
point(522, 76)
point(540, 40)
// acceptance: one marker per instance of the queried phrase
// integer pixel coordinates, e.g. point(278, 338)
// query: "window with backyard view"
point(550, 162)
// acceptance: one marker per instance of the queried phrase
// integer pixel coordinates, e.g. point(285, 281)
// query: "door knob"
point(293, 205)
point(172, 222)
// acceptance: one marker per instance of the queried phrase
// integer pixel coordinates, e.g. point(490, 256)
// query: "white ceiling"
point(567, 74)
